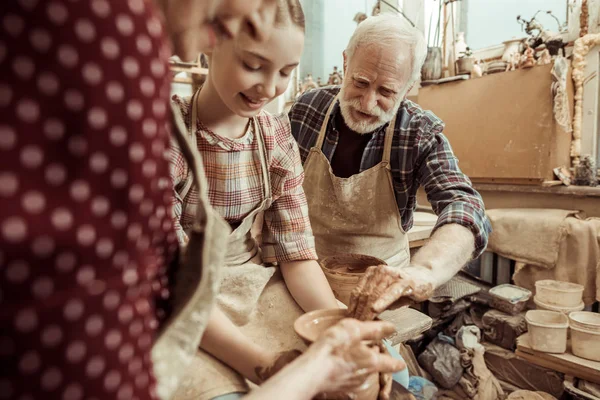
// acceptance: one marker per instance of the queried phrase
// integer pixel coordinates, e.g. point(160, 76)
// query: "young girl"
point(252, 165)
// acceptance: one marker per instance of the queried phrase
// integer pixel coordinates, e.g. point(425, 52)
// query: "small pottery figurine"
point(319, 83)
point(309, 83)
point(335, 78)
point(544, 58)
point(476, 72)
point(527, 60)
point(515, 60)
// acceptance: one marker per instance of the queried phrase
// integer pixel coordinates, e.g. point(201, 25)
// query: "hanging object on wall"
point(559, 90)
point(580, 51)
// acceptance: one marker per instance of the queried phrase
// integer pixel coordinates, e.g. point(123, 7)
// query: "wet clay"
point(343, 272)
point(311, 325)
point(349, 263)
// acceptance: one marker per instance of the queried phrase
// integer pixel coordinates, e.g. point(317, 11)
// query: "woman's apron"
point(358, 214)
point(252, 295)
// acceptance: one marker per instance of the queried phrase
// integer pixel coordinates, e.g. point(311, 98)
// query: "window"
point(491, 22)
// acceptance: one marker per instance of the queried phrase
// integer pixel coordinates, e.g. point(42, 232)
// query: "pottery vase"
point(432, 68)
point(464, 65)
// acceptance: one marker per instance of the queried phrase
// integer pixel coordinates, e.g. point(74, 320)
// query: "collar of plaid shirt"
point(421, 156)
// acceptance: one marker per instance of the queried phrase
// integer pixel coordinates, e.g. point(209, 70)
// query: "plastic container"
point(509, 298)
point(565, 310)
point(547, 330)
point(343, 272)
point(558, 293)
point(585, 343)
point(586, 320)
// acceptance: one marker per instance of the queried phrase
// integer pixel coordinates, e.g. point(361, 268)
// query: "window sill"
point(578, 191)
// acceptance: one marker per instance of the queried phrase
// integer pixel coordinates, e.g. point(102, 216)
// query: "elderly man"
point(366, 150)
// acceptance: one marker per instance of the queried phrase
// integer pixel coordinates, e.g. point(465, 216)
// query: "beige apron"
point(253, 296)
point(196, 279)
point(358, 214)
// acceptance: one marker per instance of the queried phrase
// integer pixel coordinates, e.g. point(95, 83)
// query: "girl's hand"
point(340, 360)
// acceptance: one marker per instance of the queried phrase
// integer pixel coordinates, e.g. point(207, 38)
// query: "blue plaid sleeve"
point(449, 191)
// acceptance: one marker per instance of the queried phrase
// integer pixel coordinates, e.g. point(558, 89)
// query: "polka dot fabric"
point(85, 227)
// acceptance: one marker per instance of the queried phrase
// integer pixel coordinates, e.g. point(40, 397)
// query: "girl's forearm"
point(299, 380)
point(226, 342)
point(308, 285)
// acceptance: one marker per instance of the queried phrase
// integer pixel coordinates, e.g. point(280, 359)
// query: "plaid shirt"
point(234, 175)
point(421, 155)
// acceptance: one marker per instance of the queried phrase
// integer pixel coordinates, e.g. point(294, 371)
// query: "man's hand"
point(381, 286)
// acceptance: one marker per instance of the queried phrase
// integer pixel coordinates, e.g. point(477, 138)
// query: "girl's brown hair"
point(290, 11)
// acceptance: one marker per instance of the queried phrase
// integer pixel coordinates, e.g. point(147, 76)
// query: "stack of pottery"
point(547, 331)
point(564, 297)
point(585, 334)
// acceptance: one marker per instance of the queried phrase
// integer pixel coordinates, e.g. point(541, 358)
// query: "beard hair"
point(364, 127)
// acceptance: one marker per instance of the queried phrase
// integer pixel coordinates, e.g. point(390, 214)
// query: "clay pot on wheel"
point(311, 325)
point(343, 272)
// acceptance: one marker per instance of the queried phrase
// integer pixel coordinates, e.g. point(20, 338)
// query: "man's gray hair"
point(388, 30)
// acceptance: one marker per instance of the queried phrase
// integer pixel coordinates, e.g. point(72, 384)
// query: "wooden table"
point(566, 363)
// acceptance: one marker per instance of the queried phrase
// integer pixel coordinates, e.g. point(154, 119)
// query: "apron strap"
point(387, 144)
point(190, 152)
point(323, 130)
point(263, 157)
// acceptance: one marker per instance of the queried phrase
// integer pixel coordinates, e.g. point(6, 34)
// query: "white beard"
point(364, 127)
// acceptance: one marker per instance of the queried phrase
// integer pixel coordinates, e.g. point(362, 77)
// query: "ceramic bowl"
point(311, 325)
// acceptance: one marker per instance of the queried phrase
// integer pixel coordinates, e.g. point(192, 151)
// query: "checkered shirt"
point(421, 156)
point(235, 181)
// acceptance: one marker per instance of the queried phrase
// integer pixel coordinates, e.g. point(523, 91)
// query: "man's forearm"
point(308, 285)
point(448, 250)
point(226, 342)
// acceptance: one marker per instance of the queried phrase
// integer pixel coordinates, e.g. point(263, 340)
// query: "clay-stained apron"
point(358, 214)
